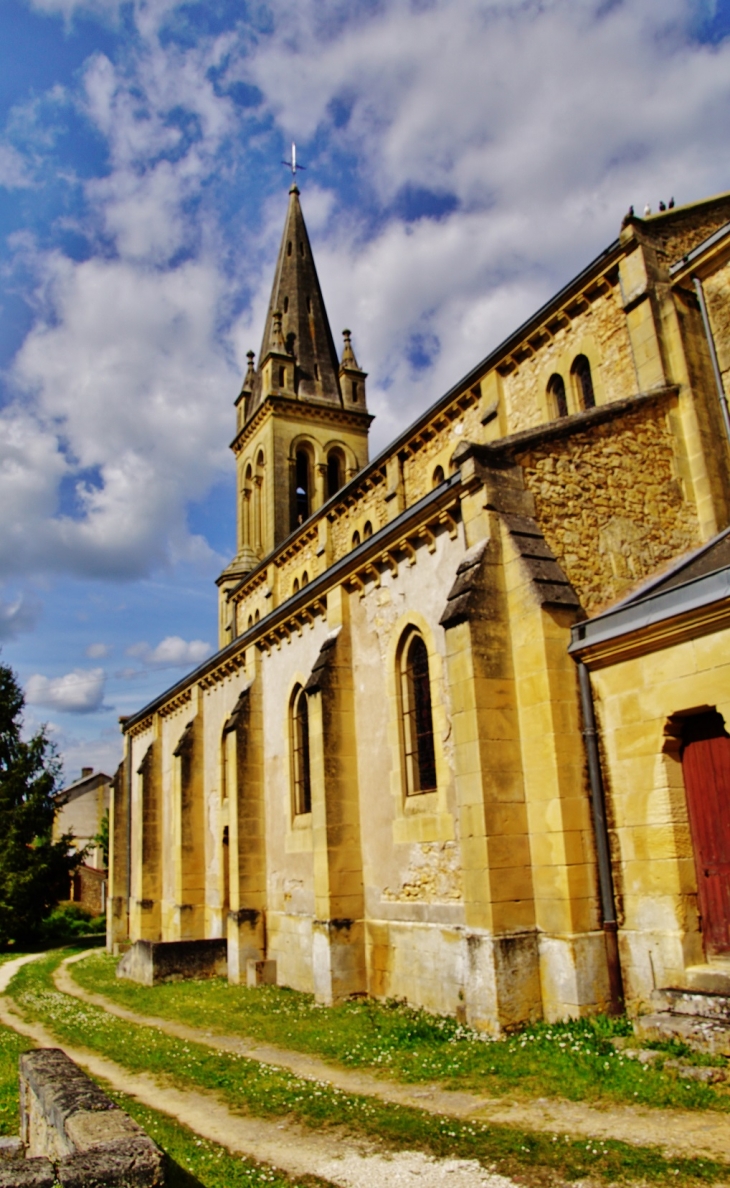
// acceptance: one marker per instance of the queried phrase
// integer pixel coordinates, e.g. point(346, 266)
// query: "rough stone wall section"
point(717, 294)
point(610, 505)
point(151, 962)
point(73, 1134)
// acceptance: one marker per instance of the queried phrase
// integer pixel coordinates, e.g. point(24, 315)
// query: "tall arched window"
point(302, 488)
point(258, 518)
point(556, 392)
point(301, 780)
point(246, 507)
point(581, 372)
point(420, 759)
point(438, 476)
point(335, 471)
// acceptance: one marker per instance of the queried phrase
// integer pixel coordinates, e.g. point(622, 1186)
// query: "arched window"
point(415, 688)
point(301, 780)
point(256, 617)
point(305, 579)
point(581, 372)
point(302, 488)
point(258, 516)
point(438, 476)
point(249, 625)
point(246, 532)
point(295, 586)
point(355, 539)
point(335, 472)
point(556, 392)
point(367, 530)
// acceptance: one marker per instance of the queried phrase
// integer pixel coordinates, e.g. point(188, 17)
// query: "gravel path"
point(337, 1158)
point(687, 1133)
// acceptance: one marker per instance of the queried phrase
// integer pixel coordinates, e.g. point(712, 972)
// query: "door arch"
point(705, 757)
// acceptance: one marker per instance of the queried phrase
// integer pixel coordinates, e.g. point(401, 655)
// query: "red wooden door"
point(706, 769)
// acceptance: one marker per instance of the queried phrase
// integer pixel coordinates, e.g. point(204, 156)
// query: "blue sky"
point(464, 159)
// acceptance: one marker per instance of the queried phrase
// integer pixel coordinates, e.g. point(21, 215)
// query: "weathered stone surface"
point(150, 962)
point(69, 1123)
point(11, 1147)
point(131, 1163)
point(27, 1173)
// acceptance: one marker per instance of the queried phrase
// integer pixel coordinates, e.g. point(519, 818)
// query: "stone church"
point(463, 742)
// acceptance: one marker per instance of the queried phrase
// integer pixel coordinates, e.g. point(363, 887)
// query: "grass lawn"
point(575, 1060)
point(264, 1091)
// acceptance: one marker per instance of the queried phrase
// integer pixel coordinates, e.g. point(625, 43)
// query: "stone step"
point(712, 978)
point(697, 1003)
point(698, 1032)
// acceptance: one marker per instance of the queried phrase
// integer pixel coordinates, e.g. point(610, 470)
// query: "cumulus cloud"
point(172, 652)
point(78, 692)
point(527, 126)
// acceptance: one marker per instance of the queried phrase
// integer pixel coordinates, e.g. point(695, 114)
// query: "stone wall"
point(73, 1135)
point(610, 504)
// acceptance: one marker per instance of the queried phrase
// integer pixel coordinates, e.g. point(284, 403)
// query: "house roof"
point(88, 783)
point(696, 581)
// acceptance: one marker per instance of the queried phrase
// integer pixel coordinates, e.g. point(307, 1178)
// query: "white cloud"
point(13, 169)
point(78, 692)
point(19, 614)
point(172, 652)
point(98, 651)
point(543, 120)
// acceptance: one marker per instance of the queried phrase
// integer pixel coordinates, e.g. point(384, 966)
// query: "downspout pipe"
point(713, 354)
point(600, 828)
point(128, 775)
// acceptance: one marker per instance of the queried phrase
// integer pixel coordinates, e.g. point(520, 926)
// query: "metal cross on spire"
point(293, 163)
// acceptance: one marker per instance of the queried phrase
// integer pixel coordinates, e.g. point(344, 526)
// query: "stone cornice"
point(299, 410)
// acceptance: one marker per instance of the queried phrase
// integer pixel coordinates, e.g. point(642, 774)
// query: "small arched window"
point(556, 392)
point(256, 617)
point(302, 488)
point(438, 476)
point(355, 539)
point(334, 472)
point(305, 579)
point(418, 745)
point(581, 372)
point(249, 625)
point(354, 392)
point(286, 305)
point(288, 248)
point(295, 586)
point(301, 779)
point(367, 530)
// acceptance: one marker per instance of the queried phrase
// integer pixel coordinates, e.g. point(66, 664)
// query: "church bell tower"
point(302, 419)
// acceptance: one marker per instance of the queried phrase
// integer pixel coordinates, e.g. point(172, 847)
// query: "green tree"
point(34, 870)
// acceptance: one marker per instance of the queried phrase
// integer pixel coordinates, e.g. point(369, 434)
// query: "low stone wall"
point(72, 1134)
point(150, 962)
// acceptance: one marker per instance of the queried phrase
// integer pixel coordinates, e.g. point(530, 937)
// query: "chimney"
point(86, 771)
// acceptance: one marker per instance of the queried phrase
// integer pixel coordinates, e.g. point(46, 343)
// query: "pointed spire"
point(352, 377)
point(348, 355)
point(250, 376)
point(296, 322)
